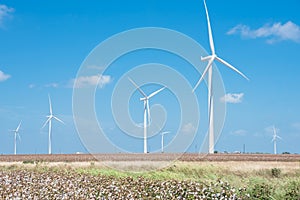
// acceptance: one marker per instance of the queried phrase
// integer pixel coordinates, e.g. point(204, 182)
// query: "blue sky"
point(43, 44)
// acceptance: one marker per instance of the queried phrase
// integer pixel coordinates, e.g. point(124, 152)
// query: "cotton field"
point(28, 184)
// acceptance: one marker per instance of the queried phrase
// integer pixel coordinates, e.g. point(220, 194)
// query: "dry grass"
point(138, 166)
point(251, 166)
point(178, 170)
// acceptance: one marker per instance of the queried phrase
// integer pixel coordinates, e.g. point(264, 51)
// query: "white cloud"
point(232, 98)
point(188, 128)
point(31, 85)
point(296, 126)
point(79, 82)
point(3, 76)
point(87, 81)
point(272, 32)
point(53, 85)
point(4, 12)
point(239, 132)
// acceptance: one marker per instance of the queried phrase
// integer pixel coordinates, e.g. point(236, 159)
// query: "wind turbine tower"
point(274, 140)
point(49, 122)
point(162, 140)
point(211, 58)
point(147, 115)
point(16, 134)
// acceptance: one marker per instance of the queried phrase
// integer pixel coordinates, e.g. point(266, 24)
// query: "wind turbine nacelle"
point(143, 98)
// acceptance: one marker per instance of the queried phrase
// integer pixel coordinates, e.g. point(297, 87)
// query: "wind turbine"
point(16, 134)
point(162, 140)
point(275, 136)
point(145, 98)
point(211, 58)
point(49, 121)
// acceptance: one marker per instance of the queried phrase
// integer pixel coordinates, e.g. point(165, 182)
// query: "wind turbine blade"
point(165, 132)
point(49, 118)
point(50, 105)
point(231, 67)
point(279, 137)
point(274, 130)
point(204, 73)
point(17, 130)
point(137, 87)
point(148, 112)
point(156, 92)
point(211, 41)
point(19, 136)
point(58, 119)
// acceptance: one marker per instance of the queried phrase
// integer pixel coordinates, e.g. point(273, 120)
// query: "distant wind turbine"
point(274, 140)
point(211, 58)
point(49, 121)
point(146, 98)
point(16, 134)
point(162, 140)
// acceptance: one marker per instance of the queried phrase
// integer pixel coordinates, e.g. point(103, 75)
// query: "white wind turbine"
point(49, 121)
point(16, 134)
point(211, 58)
point(274, 140)
point(162, 140)
point(145, 98)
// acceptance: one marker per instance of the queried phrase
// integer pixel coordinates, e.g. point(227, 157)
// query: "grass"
point(263, 180)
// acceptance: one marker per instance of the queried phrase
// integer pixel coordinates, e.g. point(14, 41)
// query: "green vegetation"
point(276, 172)
point(28, 162)
point(209, 180)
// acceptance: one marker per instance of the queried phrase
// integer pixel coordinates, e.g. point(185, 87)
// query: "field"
point(153, 176)
point(188, 157)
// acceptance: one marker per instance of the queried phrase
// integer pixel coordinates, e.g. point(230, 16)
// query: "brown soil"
point(189, 157)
